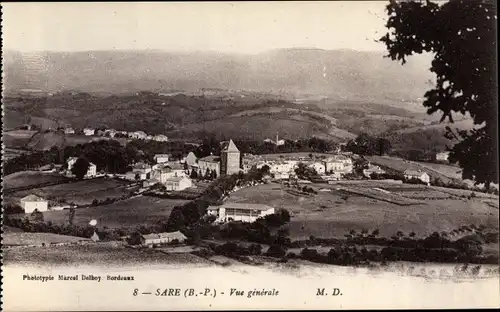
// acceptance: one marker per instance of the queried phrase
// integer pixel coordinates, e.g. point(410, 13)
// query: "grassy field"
point(81, 192)
point(105, 254)
point(401, 165)
point(19, 239)
point(333, 214)
point(17, 138)
point(140, 210)
point(30, 178)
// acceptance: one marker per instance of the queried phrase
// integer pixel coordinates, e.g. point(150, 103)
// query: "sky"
point(240, 27)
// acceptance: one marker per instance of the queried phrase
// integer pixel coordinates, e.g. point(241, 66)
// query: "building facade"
point(442, 156)
point(210, 163)
point(88, 131)
point(417, 174)
point(32, 202)
point(244, 212)
point(156, 239)
point(178, 183)
point(230, 159)
point(161, 158)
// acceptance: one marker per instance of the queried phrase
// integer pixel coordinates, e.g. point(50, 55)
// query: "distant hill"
point(338, 74)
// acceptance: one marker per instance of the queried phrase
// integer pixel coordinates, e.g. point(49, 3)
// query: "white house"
point(69, 131)
point(138, 135)
point(338, 164)
point(417, 174)
point(178, 183)
point(318, 166)
point(88, 131)
point(160, 138)
point(161, 158)
point(92, 171)
point(162, 174)
point(245, 212)
point(372, 169)
point(442, 156)
point(151, 240)
point(31, 202)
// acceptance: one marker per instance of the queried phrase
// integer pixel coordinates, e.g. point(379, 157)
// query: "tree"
point(80, 168)
point(462, 36)
point(208, 174)
point(383, 146)
point(194, 174)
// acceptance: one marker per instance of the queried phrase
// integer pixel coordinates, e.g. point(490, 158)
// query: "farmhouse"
point(160, 138)
point(31, 202)
point(140, 171)
point(245, 212)
point(319, 167)
point(88, 131)
point(162, 174)
point(417, 174)
point(372, 169)
point(442, 156)
point(161, 158)
point(338, 163)
point(210, 163)
point(278, 142)
point(69, 131)
point(141, 135)
point(151, 240)
point(178, 183)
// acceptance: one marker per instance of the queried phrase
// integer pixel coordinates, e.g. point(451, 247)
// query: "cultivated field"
point(81, 192)
point(335, 212)
point(17, 138)
point(30, 178)
point(401, 165)
point(25, 239)
point(109, 253)
point(135, 211)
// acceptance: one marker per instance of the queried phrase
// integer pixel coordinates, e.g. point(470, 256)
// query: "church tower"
point(230, 158)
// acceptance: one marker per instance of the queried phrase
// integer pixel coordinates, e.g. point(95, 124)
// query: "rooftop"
point(414, 172)
point(32, 198)
point(210, 158)
point(246, 206)
point(172, 235)
point(229, 146)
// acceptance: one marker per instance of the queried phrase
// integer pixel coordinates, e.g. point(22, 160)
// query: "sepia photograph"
point(250, 155)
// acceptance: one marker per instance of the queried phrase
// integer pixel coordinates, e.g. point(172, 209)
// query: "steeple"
point(231, 147)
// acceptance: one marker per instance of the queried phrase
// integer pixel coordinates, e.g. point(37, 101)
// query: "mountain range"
point(338, 74)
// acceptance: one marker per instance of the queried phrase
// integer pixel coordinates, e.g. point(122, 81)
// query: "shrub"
point(276, 251)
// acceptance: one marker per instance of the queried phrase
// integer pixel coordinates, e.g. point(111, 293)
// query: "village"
point(167, 176)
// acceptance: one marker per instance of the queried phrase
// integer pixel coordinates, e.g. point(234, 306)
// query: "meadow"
point(333, 213)
point(82, 192)
point(30, 178)
point(20, 239)
point(105, 254)
point(401, 165)
point(135, 211)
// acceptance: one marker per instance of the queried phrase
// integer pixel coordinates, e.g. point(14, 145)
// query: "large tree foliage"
point(80, 168)
point(461, 34)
